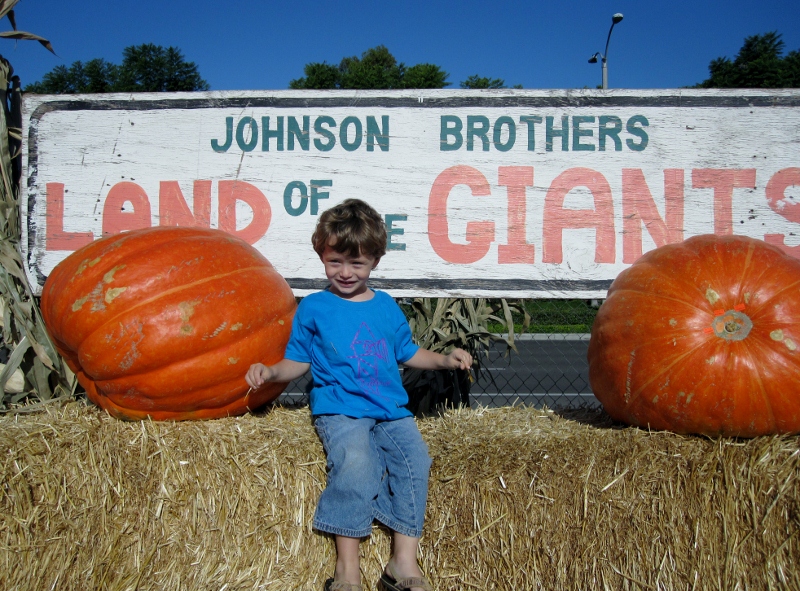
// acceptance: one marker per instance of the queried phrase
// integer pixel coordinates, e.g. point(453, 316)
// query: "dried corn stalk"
point(6, 10)
point(443, 324)
point(23, 330)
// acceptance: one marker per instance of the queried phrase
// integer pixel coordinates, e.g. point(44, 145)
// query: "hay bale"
point(519, 499)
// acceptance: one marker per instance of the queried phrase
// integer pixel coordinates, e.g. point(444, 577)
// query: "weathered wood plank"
point(519, 193)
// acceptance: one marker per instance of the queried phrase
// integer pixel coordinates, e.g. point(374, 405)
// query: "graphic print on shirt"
point(369, 352)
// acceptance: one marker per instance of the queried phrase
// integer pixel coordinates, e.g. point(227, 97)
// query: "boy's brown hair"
point(353, 228)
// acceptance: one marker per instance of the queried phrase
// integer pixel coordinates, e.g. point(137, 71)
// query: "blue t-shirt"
point(353, 349)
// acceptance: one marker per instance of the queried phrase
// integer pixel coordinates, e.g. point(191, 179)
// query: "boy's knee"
point(421, 453)
point(355, 464)
point(423, 460)
point(426, 460)
point(415, 457)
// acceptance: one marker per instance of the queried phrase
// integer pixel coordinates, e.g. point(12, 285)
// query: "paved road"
point(548, 370)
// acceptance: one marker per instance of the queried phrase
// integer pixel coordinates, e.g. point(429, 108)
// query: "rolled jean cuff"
point(395, 525)
point(340, 531)
point(352, 533)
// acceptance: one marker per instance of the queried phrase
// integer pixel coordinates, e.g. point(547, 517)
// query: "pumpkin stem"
point(732, 325)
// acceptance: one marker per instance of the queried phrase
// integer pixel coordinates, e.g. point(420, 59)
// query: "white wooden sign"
point(511, 193)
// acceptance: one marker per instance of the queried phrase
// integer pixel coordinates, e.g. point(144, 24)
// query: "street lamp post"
point(604, 56)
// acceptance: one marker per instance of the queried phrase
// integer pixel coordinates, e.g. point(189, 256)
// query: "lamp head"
point(593, 59)
point(616, 18)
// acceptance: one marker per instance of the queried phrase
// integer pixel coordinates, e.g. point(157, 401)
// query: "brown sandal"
point(391, 582)
point(331, 585)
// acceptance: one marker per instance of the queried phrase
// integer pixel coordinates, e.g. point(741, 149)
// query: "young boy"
point(352, 338)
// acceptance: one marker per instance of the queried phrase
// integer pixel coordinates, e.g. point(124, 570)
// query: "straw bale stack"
point(519, 499)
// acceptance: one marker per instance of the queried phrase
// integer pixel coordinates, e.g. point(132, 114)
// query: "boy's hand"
point(258, 375)
point(459, 359)
point(285, 370)
point(456, 359)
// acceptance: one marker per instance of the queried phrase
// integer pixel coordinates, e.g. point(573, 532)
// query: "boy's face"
point(348, 275)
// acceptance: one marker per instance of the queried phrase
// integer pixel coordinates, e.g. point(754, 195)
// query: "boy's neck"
point(362, 296)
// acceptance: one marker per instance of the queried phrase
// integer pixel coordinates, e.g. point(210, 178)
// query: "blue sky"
point(258, 45)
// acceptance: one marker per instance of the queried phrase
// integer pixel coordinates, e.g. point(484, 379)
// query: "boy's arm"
point(285, 370)
point(456, 359)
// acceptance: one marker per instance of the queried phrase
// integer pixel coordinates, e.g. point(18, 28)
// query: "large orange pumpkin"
point(702, 337)
point(164, 322)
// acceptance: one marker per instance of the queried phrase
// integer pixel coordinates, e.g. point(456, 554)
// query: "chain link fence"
point(548, 368)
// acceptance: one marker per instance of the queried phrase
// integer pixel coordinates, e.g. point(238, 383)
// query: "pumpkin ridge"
point(692, 254)
point(107, 246)
point(772, 297)
point(787, 357)
point(232, 407)
point(744, 277)
point(209, 353)
point(662, 297)
point(634, 396)
point(666, 275)
point(762, 391)
point(167, 292)
point(656, 338)
point(748, 277)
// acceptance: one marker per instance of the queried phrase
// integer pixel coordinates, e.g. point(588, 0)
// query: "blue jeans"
point(376, 470)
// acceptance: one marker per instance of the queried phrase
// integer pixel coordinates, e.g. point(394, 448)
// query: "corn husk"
point(16, 382)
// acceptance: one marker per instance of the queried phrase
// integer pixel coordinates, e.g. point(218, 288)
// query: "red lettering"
point(479, 234)
point(56, 237)
point(516, 179)
point(723, 181)
point(173, 210)
point(557, 218)
point(232, 191)
point(776, 197)
point(116, 219)
point(639, 209)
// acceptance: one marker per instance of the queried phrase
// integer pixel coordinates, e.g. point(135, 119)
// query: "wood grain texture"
point(517, 193)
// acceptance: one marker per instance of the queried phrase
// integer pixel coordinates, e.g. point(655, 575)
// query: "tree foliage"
point(377, 68)
point(425, 76)
point(476, 81)
point(144, 68)
point(759, 64)
point(481, 82)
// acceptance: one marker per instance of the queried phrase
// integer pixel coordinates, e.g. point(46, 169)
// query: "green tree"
point(151, 68)
point(321, 76)
point(96, 75)
point(144, 68)
point(476, 81)
point(425, 76)
point(759, 64)
point(376, 68)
